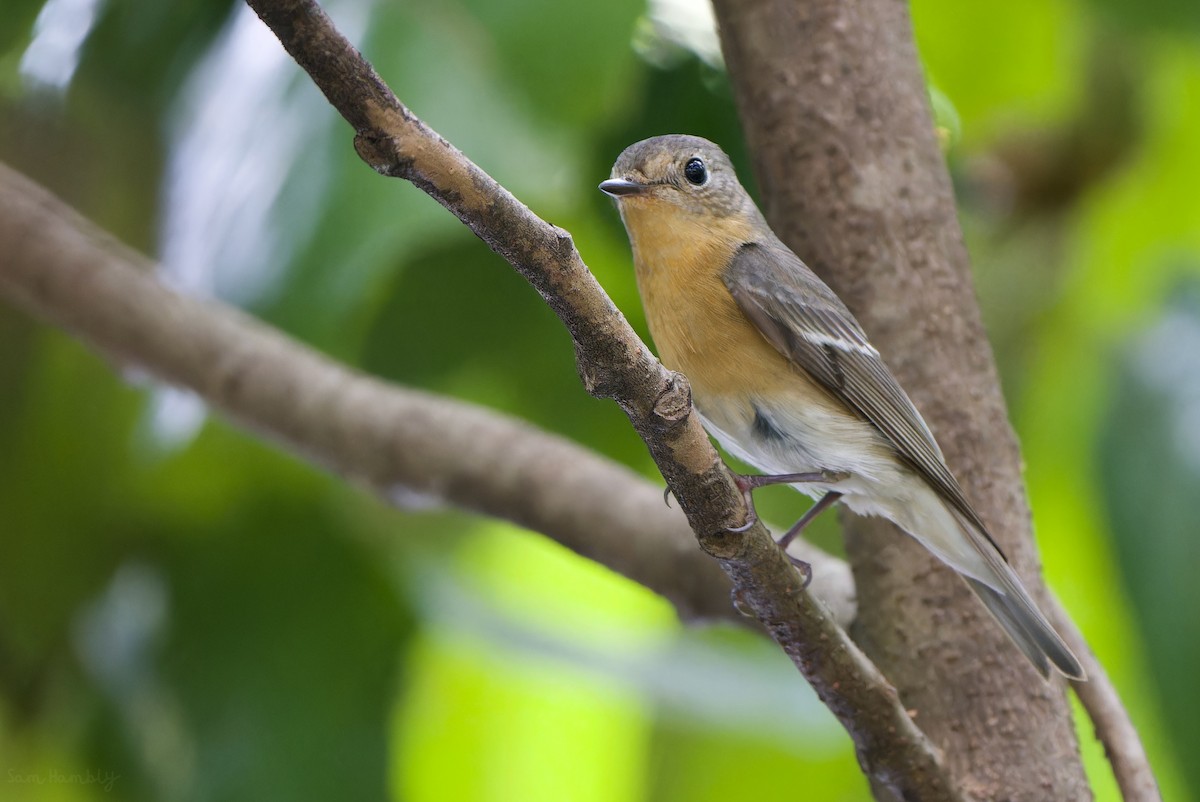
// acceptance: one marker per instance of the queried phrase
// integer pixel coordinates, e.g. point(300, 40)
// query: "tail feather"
point(960, 540)
point(1007, 600)
point(1042, 646)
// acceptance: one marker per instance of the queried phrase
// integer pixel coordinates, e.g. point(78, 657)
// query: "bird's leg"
point(825, 502)
point(748, 484)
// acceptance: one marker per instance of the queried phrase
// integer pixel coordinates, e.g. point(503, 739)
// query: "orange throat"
point(698, 329)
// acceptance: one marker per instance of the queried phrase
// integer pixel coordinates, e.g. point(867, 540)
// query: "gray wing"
point(802, 318)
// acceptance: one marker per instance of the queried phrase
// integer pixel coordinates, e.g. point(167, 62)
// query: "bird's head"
point(679, 175)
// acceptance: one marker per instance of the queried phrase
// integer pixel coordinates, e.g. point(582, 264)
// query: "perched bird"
point(785, 378)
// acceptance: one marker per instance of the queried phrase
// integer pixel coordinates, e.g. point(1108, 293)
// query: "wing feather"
point(802, 318)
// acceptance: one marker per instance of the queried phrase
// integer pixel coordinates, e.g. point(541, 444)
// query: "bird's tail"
point(1029, 631)
point(961, 542)
point(1006, 598)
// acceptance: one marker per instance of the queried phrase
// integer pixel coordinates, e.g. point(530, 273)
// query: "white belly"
point(795, 435)
point(791, 435)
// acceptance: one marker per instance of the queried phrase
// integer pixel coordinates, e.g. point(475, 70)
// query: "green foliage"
point(1150, 472)
point(208, 619)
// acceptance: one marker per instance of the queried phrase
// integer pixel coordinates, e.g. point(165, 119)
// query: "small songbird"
point(784, 377)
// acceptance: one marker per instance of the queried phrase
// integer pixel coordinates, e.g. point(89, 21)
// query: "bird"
point(784, 377)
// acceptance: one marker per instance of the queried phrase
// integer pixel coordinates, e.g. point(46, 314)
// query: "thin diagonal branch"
point(1122, 744)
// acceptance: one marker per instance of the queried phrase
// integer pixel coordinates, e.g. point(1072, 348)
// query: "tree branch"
point(1099, 697)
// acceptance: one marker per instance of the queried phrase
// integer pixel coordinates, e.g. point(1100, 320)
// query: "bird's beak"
point(621, 187)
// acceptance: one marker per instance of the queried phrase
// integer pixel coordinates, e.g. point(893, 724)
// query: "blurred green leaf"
point(1167, 16)
point(281, 649)
point(1150, 466)
point(1002, 65)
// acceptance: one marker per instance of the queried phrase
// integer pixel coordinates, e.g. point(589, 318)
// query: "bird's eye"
point(695, 171)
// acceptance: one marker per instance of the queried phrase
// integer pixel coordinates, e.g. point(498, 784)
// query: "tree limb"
point(1099, 697)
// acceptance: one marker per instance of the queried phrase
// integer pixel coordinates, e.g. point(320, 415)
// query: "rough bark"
point(835, 113)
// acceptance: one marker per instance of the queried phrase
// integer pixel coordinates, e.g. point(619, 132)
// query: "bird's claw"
point(748, 497)
point(751, 521)
point(747, 485)
point(805, 569)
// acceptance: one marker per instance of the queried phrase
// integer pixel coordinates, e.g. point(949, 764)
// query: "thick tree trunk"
point(836, 114)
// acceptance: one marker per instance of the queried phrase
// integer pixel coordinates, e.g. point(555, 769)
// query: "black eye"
point(695, 171)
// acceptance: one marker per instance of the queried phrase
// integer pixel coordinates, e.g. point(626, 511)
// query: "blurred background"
point(188, 614)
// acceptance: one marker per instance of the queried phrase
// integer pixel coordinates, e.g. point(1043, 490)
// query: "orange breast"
point(697, 327)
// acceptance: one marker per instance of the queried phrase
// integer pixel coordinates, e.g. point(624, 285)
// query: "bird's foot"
point(804, 568)
point(825, 502)
point(748, 484)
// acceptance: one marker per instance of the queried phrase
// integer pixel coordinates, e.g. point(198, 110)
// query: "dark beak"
point(620, 187)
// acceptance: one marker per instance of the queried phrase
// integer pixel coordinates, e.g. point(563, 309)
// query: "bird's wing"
point(802, 318)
